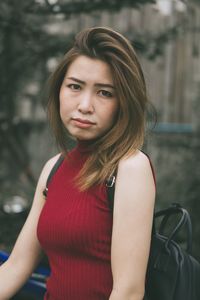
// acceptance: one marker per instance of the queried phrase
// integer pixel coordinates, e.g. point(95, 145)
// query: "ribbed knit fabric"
point(75, 230)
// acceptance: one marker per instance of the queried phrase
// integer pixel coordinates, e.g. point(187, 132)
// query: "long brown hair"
point(127, 133)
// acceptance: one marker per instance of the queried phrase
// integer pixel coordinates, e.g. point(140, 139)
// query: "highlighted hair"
point(127, 133)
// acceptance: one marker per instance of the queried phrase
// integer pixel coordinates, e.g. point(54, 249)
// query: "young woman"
point(97, 96)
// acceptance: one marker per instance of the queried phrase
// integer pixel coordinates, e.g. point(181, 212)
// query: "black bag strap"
point(110, 183)
point(52, 172)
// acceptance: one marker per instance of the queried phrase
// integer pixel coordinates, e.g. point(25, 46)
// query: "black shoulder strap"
point(52, 172)
point(110, 183)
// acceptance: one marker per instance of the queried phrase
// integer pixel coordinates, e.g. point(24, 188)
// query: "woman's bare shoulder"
point(135, 183)
point(136, 170)
point(138, 160)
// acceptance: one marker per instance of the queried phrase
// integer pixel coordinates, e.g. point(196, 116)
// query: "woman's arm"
point(132, 225)
point(27, 251)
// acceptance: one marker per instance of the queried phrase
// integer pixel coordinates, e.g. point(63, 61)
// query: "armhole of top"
point(52, 172)
point(152, 168)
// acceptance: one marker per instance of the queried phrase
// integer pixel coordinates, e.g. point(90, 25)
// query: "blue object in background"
point(35, 287)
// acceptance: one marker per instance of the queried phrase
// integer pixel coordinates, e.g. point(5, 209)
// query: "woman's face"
point(88, 101)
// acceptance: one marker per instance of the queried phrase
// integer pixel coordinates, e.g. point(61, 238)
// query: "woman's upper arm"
point(27, 247)
point(132, 223)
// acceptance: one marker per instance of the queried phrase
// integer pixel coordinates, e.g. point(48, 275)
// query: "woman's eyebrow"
point(105, 85)
point(76, 79)
point(96, 84)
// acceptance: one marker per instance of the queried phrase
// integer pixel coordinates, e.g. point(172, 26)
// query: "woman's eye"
point(74, 86)
point(105, 93)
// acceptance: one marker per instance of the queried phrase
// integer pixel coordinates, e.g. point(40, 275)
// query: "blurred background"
point(34, 35)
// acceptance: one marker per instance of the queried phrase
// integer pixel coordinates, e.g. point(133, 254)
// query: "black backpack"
point(172, 273)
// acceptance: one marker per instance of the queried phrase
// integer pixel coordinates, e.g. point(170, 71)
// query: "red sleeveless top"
point(75, 231)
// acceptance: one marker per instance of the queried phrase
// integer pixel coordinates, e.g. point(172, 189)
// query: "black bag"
point(172, 273)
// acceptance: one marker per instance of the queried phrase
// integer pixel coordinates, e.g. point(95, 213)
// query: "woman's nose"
point(86, 103)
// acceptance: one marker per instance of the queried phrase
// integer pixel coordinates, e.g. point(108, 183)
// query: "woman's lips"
point(81, 123)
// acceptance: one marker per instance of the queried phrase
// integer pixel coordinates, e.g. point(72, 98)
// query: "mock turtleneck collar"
point(85, 145)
